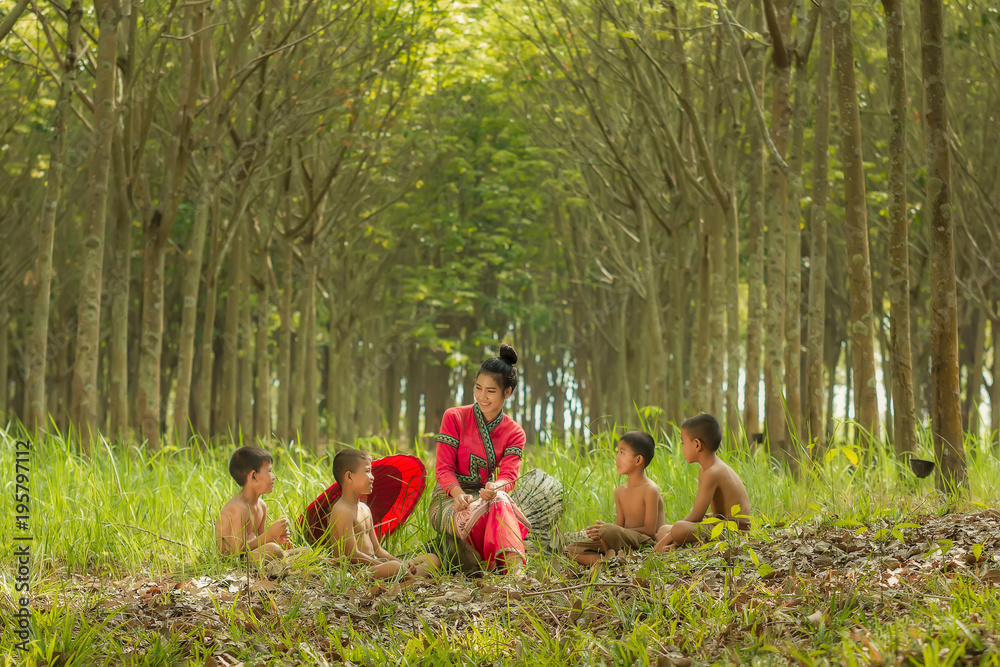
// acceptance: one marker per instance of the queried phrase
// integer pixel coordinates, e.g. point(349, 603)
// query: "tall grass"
point(122, 508)
point(124, 512)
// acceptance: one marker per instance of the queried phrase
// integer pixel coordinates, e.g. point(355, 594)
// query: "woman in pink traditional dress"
point(479, 451)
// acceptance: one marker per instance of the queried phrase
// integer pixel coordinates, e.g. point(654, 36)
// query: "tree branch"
point(748, 83)
point(15, 14)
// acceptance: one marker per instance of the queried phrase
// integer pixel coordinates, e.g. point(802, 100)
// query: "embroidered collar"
point(485, 429)
point(481, 418)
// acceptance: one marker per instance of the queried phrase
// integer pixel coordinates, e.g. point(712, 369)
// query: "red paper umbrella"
point(399, 483)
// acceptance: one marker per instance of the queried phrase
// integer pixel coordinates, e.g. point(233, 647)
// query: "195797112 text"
point(22, 542)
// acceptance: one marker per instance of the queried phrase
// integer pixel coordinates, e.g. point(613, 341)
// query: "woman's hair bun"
point(502, 367)
point(508, 354)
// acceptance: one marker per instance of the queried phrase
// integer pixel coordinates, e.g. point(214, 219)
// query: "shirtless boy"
point(638, 505)
point(242, 524)
point(718, 486)
point(352, 532)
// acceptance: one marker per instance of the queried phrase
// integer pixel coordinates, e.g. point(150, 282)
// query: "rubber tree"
point(946, 404)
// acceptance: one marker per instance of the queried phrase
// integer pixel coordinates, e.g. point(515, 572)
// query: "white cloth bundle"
point(466, 519)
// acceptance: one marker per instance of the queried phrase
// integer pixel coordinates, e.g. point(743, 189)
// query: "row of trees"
point(282, 218)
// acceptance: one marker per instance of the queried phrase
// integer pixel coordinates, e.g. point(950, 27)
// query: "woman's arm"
point(446, 458)
point(509, 468)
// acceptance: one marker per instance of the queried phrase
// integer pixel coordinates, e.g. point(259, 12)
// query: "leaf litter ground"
point(919, 592)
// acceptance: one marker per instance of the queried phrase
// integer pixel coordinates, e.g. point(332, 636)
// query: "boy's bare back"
point(352, 532)
point(352, 529)
point(242, 524)
point(725, 489)
point(238, 522)
point(640, 507)
point(719, 487)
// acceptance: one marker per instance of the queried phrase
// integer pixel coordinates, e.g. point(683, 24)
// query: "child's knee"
point(663, 531)
point(433, 560)
point(271, 551)
point(387, 569)
point(682, 531)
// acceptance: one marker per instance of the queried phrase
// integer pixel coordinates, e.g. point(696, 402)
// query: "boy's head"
point(250, 464)
point(349, 466)
point(704, 429)
point(638, 444)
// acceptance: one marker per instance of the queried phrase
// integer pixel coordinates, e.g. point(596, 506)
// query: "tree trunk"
point(206, 370)
point(298, 372)
point(60, 394)
point(559, 408)
point(4, 324)
point(658, 369)
point(833, 362)
point(189, 313)
point(244, 405)
point(285, 345)
point(231, 339)
point(700, 361)
point(675, 350)
point(621, 366)
point(35, 371)
point(10, 20)
point(816, 345)
point(733, 316)
point(311, 378)
point(861, 328)
point(904, 412)
point(974, 374)
point(89, 311)
point(262, 400)
point(946, 406)
point(755, 278)
point(438, 396)
point(150, 347)
point(848, 385)
point(995, 389)
point(793, 238)
point(119, 287)
point(717, 328)
point(336, 379)
point(884, 357)
point(413, 382)
point(779, 25)
point(157, 233)
point(392, 398)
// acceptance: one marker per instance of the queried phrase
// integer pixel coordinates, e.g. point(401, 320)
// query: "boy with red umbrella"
point(353, 529)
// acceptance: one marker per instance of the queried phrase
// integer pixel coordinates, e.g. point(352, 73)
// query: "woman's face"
point(489, 394)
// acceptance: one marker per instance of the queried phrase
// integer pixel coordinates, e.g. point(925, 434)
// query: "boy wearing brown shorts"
point(718, 486)
point(638, 505)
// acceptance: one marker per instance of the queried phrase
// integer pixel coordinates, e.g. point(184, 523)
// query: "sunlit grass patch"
point(124, 539)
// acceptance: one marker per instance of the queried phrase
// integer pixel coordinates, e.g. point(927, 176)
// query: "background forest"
point(312, 220)
point(305, 223)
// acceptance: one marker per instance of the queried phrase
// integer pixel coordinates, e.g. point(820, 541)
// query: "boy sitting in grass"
point(242, 524)
point(718, 486)
point(638, 505)
point(352, 532)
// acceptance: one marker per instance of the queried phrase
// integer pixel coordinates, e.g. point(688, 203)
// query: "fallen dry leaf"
point(460, 595)
point(264, 585)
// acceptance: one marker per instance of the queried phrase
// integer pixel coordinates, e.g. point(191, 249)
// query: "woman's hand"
point(462, 501)
point(489, 492)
